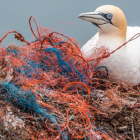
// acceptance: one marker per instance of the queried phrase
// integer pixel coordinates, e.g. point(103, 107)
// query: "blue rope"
point(63, 64)
point(13, 51)
point(60, 42)
point(98, 69)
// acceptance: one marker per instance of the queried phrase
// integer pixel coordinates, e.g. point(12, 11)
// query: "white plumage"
point(124, 64)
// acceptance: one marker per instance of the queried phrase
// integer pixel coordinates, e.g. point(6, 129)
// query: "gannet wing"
point(131, 31)
point(86, 49)
point(133, 47)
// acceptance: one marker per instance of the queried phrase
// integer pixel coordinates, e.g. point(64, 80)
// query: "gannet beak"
point(96, 18)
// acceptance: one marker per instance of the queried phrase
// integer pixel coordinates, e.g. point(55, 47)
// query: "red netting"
point(51, 74)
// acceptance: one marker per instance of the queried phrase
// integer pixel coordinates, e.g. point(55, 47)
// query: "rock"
point(122, 128)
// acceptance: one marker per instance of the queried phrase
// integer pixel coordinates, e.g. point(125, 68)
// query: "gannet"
point(113, 32)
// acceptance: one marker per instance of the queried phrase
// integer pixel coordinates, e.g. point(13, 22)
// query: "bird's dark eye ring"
point(109, 16)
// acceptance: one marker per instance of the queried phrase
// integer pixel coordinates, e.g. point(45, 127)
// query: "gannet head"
point(109, 19)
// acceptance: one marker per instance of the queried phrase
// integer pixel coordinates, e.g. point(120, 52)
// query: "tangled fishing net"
point(62, 93)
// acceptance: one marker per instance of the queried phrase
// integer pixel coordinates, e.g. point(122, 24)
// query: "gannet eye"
point(109, 16)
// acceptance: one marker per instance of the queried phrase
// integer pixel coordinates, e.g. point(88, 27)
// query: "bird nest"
point(49, 91)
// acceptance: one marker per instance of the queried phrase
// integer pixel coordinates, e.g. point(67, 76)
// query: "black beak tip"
point(79, 16)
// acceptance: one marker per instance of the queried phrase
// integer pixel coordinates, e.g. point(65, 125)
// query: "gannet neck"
point(112, 42)
point(112, 32)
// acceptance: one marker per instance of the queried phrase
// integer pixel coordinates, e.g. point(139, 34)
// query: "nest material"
point(54, 93)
